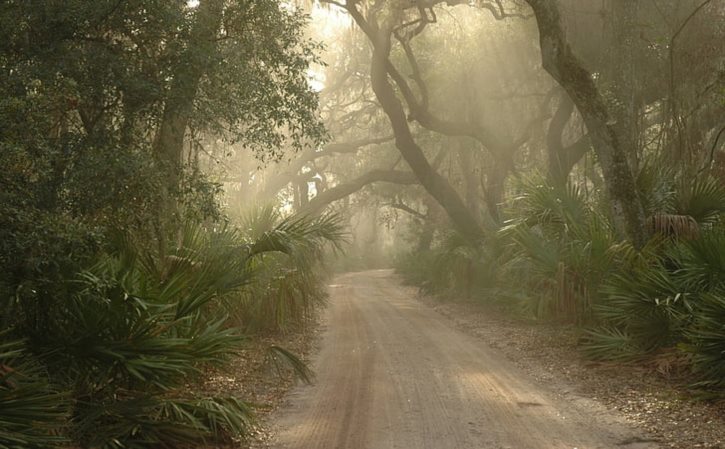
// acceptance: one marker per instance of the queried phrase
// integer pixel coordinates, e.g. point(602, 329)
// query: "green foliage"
point(609, 344)
point(674, 299)
point(702, 198)
point(288, 283)
point(126, 337)
point(134, 330)
point(707, 340)
point(702, 261)
point(417, 268)
point(33, 412)
point(665, 190)
point(145, 422)
point(667, 294)
point(123, 325)
point(456, 266)
point(648, 304)
point(557, 257)
point(258, 94)
point(560, 248)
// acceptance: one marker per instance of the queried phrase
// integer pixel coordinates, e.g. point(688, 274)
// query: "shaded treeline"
point(122, 277)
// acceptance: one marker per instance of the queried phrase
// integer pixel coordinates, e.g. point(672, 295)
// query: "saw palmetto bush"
point(702, 269)
point(135, 330)
point(678, 203)
point(288, 283)
point(33, 412)
point(640, 311)
point(558, 257)
point(417, 268)
point(461, 266)
point(668, 294)
point(125, 339)
point(457, 266)
point(559, 249)
point(707, 340)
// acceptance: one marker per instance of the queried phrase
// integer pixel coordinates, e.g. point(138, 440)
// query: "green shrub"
point(33, 413)
point(671, 298)
point(288, 282)
point(125, 338)
point(707, 341)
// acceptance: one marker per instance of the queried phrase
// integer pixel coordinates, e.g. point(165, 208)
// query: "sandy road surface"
point(391, 373)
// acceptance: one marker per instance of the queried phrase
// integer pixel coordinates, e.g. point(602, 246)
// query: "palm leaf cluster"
point(456, 266)
point(33, 412)
point(559, 249)
point(287, 285)
point(675, 299)
point(669, 293)
point(631, 301)
point(559, 257)
point(118, 348)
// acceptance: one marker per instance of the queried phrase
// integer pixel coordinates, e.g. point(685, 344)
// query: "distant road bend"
point(392, 373)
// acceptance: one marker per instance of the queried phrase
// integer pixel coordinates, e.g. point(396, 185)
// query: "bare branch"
point(499, 12)
point(416, 75)
point(319, 202)
point(405, 208)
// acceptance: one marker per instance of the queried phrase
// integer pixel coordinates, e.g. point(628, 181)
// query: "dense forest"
point(179, 178)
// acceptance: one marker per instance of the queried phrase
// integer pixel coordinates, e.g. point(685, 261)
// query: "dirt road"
point(392, 373)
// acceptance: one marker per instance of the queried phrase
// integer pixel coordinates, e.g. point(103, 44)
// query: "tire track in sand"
point(391, 373)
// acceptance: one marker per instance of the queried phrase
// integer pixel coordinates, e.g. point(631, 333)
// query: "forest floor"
point(253, 377)
point(397, 371)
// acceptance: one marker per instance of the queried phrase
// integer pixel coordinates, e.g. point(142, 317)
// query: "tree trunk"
point(561, 159)
point(561, 63)
point(495, 183)
point(623, 76)
point(434, 183)
point(470, 180)
point(180, 100)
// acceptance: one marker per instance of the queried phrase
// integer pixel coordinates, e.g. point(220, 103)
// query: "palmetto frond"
point(707, 335)
point(33, 412)
point(131, 332)
point(702, 198)
point(285, 255)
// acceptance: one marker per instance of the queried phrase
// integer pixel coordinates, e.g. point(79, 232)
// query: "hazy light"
point(316, 79)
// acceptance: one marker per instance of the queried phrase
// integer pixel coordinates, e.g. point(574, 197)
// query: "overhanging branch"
point(319, 202)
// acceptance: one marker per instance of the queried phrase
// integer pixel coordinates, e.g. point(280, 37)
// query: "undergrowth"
point(558, 258)
point(107, 359)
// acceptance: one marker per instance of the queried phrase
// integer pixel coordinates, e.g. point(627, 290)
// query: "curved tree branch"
point(284, 177)
point(319, 202)
point(405, 208)
point(435, 184)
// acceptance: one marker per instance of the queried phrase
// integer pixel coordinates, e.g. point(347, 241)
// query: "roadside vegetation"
point(126, 276)
point(558, 258)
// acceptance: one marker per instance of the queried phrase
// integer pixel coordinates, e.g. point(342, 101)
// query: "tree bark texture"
point(561, 159)
point(561, 63)
point(623, 76)
point(179, 105)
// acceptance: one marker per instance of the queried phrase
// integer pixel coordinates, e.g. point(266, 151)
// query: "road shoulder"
point(651, 398)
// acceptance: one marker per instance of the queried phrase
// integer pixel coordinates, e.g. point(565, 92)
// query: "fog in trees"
point(179, 177)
